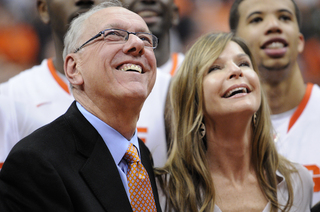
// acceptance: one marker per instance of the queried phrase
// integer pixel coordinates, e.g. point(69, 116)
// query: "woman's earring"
point(255, 119)
point(202, 130)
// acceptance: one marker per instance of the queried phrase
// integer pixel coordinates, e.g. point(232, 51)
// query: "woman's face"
point(231, 86)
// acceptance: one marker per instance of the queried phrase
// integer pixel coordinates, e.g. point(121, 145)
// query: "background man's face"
point(271, 31)
point(159, 15)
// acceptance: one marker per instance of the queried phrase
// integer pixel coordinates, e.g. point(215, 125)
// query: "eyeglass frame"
point(126, 38)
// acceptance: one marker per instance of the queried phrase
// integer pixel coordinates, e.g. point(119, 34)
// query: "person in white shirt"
point(17, 120)
point(160, 16)
point(271, 29)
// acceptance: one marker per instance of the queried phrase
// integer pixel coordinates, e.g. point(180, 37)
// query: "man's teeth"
point(131, 67)
point(147, 14)
point(235, 91)
point(275, 45)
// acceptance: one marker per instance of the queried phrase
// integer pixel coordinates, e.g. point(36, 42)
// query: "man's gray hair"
point(71, 40)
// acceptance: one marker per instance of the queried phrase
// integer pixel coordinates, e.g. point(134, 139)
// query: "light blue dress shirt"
point(116, 143)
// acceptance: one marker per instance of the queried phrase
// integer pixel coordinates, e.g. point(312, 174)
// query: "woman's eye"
point(247, 64)
point(214, 68)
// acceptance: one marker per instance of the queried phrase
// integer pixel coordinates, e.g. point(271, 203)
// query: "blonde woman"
point(223, 157)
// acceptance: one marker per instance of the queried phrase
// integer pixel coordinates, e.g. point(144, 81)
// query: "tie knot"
point(131, 155)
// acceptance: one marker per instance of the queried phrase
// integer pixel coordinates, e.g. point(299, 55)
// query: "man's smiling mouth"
point(131, 67)
point(275, 45)
point(147, 13)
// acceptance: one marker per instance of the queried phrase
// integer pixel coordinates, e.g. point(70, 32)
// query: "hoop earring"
point(202, 130)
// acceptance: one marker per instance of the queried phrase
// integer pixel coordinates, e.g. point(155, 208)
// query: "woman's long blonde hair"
point(185, 179)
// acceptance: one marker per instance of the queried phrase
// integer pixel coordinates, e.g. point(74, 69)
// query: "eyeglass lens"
point(115, 35)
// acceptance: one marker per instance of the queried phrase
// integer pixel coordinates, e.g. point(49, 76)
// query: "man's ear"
point(301, 43)
point(43, 11)
point(71, 70)
point(175, 15)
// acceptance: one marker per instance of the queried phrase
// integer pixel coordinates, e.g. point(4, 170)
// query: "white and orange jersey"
point(17, 120)
point(151, 125)
point(172, 65)
point(297, 135)
point(45, 92)
point(43, 87)
point(48, 91)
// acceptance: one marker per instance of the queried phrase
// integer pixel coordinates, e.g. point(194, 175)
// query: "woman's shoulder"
point(303, 174)
point(302, 185)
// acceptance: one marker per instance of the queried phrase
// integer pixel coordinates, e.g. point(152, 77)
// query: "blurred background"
point(25, 40)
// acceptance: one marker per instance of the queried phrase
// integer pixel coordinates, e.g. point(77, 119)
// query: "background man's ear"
point(43, 11)
point(175, 15)
point(71, 71)
point(301, 43)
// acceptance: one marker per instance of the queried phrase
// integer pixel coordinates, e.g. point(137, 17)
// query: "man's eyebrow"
point(285, 10)
point(119, 26)
point(254, 13)
point(259, 13)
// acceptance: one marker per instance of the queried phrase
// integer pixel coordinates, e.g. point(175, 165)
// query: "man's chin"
point(274, 74)
point(274, 67)
point(152, 20)
point(157, 29)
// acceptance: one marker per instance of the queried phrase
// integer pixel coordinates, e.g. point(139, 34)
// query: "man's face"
point(159, 15)
point(61, 12)
point(109, 69)
point(271, 31)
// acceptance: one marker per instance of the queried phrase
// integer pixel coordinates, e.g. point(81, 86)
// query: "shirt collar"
point(116, 143)
point(282, 179)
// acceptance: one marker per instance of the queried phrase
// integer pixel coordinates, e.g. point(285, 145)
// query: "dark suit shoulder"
point(70, 130)
point(47, 138)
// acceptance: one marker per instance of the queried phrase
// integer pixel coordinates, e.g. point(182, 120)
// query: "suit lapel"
point(102, 176)
point(99, 171)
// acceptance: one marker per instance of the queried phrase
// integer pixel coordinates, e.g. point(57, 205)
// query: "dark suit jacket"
point(316, 208)
point(66, 166)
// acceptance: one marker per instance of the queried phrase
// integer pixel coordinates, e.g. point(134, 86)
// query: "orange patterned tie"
point(140, 190)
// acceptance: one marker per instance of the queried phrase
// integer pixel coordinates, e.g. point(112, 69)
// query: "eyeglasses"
point(120, 35)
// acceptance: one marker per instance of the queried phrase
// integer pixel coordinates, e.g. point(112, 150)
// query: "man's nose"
point(134, 45)
point(273, 25)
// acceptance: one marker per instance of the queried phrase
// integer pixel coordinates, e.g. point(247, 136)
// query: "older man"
point(46, 88)
point(82, 160)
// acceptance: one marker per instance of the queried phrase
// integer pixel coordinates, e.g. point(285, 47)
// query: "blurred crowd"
point(25, 40)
